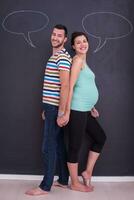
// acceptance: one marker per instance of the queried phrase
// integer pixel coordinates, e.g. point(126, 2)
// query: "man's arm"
point(64, 79)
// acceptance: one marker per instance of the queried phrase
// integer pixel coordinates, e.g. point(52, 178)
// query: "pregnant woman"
point(81, 113)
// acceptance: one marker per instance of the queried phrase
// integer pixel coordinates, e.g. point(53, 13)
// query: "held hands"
point(94, 113)
point(63, 120)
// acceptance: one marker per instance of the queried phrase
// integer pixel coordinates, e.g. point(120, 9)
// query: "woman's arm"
point(77, 65)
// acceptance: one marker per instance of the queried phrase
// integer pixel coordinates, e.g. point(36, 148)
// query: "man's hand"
point(43, 115)
point(94, 112)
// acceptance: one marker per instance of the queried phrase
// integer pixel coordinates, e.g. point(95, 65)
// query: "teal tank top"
point(85, 94)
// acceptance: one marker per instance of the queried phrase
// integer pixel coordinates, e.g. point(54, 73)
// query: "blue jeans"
point(53, 149)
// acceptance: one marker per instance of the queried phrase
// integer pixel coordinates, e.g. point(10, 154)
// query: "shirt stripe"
point(61, 60)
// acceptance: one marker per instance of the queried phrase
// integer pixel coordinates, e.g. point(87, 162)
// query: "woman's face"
point(81, 45)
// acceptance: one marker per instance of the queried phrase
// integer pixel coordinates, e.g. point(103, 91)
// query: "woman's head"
point(79, 42)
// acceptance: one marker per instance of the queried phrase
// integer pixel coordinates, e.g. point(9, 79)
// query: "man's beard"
point(58, 45)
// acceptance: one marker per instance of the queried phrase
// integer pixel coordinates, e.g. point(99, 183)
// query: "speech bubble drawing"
point(25, 22)
point(106, 26)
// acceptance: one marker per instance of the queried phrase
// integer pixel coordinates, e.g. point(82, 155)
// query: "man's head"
point(59, 36)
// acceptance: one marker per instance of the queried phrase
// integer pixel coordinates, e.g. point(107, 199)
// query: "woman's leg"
point(98, 137)
point(87, 174)
point(76, 130)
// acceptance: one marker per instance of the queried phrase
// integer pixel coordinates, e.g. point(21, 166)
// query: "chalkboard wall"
point(25, 28)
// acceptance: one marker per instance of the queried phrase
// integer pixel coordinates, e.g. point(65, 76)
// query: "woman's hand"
point(63, 120)
point(94, 112)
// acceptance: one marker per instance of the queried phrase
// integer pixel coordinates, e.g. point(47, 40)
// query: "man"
point(55, 93)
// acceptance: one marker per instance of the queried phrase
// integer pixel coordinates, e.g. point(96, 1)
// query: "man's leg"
point(51, 132)
point(62, 161)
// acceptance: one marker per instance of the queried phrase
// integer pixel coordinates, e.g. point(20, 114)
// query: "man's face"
point(58, 38)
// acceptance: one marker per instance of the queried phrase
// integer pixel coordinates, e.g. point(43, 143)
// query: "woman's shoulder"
point(77, 59)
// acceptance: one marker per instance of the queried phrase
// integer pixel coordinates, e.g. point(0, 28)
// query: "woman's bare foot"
point(87, 179)
point(80, 187)
point(36, 192)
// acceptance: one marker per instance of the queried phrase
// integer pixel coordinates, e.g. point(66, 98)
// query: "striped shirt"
point(61, 60)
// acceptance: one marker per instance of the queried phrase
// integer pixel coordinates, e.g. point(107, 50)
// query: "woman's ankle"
point(86, 174)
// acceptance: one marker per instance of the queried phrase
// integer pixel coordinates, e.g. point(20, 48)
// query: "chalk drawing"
point(106, 26)
point(25, 22)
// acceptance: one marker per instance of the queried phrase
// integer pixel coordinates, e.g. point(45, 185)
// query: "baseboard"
point(94, 178)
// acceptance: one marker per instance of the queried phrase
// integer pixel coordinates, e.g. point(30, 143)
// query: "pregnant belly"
point(85, 99)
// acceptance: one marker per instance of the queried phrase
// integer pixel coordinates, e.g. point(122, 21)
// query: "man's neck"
point(57, 49)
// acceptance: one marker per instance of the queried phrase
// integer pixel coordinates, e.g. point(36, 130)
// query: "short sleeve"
point(64, 62)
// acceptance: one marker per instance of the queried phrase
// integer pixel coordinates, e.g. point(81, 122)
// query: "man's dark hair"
point(62, 27)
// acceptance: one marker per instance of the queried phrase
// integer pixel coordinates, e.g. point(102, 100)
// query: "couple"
point(68, 100)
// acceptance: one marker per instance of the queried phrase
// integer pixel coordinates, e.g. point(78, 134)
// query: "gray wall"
point(21, 77)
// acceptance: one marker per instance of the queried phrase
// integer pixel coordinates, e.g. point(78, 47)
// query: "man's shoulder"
point(63, 54)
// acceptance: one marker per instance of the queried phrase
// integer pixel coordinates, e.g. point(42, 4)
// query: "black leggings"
point(79, 124)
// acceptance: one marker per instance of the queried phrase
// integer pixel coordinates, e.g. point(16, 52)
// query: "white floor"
point(15, 190)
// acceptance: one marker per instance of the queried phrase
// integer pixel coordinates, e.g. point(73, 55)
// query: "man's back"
point(61, 60)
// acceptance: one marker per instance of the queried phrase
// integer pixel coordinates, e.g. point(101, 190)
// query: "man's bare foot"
point(80, 187)
point(36, 192)
point(87, 179)
point(57, 184)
